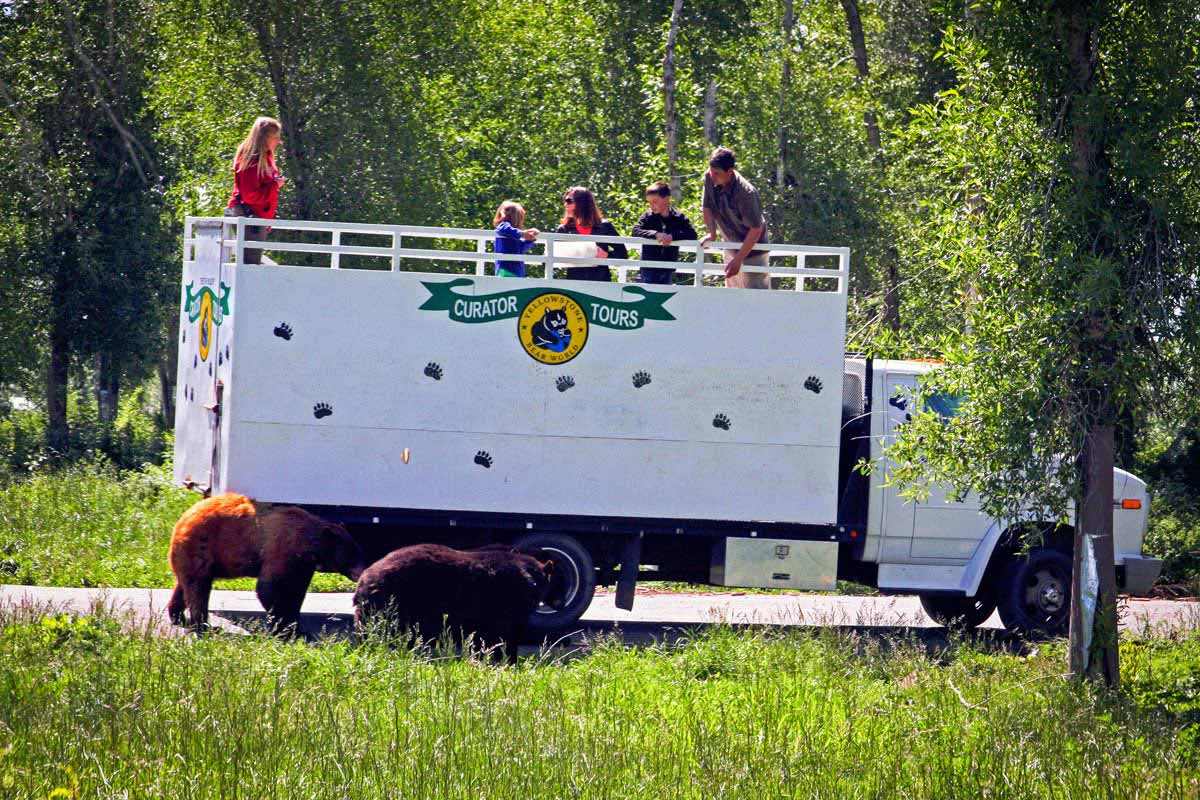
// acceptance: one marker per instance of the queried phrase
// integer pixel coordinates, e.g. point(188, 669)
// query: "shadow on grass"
point(937, 642)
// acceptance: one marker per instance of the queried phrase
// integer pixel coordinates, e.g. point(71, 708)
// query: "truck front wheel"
point(953, 612)
point(1035, 593)
point(572, 583)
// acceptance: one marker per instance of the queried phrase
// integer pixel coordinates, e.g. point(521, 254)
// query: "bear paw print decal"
point(321, 410)
point(484, 459)
point(813, 384)
point(640, 379)
point(283, 331)
point(564, 382)
point(433, 370)
point(721, 421)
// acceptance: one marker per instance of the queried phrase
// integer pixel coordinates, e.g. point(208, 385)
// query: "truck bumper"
point(1140, 574)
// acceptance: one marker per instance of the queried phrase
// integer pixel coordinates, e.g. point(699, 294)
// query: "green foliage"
point(1169, 459)
point(86, 252)
point(1164, 678)
point(726, 714)
point(93, 525)
point(1060, 298)
point(134, 439)
point(89, 525)
point(1174, 536)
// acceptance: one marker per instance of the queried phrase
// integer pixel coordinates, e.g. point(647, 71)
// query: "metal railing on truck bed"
point(822, 278)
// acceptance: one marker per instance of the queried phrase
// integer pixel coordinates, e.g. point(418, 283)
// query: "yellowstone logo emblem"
point(552, 326)
point(209, 309)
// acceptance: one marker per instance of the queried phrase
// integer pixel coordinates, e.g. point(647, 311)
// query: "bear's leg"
point(281, 596)
point(505, 638)
point(195, 593)
point(176, 606)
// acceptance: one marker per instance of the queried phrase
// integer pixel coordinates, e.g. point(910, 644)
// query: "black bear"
point(231, 536)
point(489, 591)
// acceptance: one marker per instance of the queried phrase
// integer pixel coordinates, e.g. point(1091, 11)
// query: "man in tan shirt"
point(731, 204)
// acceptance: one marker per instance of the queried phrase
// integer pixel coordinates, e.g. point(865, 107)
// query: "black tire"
point(572, 586)
point(958, 612)
point(1035, 594)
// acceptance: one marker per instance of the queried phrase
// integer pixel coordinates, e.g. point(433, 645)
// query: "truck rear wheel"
point(571, 586)
point(955, 612)
point(1035, 593)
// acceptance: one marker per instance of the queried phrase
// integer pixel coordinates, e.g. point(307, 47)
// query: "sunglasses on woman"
point(570, 201)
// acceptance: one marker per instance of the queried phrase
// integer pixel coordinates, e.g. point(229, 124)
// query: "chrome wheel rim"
point(562, 560)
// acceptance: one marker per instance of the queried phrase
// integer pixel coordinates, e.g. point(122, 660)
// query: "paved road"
point(656, 615)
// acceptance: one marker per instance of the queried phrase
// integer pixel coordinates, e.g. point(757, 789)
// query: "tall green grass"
point(100, 713)
point(93, 525)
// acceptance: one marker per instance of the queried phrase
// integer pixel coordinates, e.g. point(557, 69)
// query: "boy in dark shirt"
point(665, 225)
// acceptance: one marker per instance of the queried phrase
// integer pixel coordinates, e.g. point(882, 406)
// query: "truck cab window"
point(945, 405)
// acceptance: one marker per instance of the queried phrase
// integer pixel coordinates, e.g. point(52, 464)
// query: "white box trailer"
point(701, 433)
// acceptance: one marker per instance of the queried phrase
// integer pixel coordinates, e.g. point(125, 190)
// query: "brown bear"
point(490, 591)
point(231, 536)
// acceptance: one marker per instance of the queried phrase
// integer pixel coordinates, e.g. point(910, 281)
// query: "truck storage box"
point(774, 564)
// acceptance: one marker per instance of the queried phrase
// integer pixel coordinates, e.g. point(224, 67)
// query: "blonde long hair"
point(254, 146)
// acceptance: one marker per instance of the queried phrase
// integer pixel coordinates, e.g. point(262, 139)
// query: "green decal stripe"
point(220, 304)
point(619, 315)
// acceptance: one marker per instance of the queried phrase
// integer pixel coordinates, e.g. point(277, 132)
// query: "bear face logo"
point(551, 331)
point(552, 328)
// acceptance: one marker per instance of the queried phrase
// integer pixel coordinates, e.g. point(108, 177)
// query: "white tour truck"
point(676, 432)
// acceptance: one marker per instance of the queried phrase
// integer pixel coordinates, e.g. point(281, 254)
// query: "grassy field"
point(93, 711)
point(90, 525)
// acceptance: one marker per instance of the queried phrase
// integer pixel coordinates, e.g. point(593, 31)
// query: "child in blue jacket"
point(510, 239)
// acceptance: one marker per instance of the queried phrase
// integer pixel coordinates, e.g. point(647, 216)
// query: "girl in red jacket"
point(256, 181)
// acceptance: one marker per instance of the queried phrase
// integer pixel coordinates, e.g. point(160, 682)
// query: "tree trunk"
point(891, 297)
point(891, 274)
point(303, 198)
point(710, 113)
point(1094, 532)
point(166, 373)
point(859, 43)
point(669, 100)
point(785, 86)
point(1094, 528)
point(108, 389)
point(57, 432)
point(166, 391)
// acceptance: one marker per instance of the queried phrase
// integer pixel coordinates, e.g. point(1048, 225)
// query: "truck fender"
point(973, 572)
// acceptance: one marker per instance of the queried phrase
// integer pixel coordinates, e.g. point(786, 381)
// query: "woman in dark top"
point(581, 216)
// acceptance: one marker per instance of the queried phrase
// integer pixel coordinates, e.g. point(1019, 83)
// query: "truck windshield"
point(944, 405)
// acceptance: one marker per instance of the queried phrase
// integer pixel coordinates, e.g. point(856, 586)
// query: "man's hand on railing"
point(734, 265)
point(708, 237)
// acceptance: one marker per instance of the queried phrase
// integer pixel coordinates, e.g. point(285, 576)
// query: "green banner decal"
point(193, 303)
point(616, 314)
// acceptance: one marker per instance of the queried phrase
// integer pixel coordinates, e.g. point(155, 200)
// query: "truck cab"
point(962, 563)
